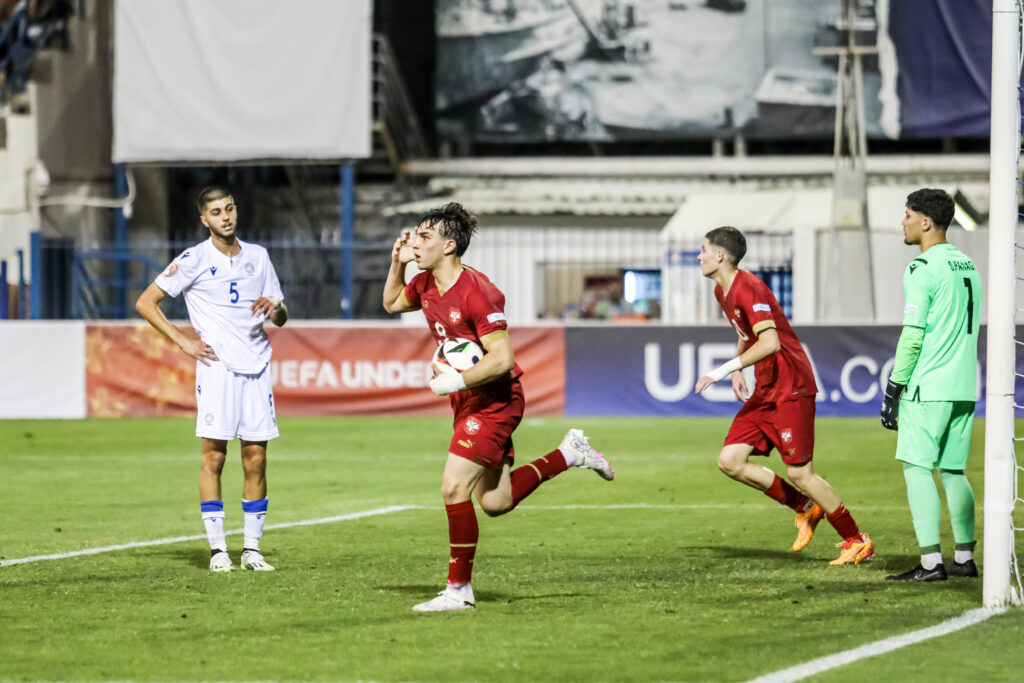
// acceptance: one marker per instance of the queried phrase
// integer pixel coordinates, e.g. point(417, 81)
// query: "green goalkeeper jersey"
point(942, 295)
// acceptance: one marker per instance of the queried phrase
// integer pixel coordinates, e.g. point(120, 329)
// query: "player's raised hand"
point(200, 350)
point(703, 383)
point(402, 251)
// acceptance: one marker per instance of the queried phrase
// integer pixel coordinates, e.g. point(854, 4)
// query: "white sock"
point(214, 523)
point(931, 560)
point(961, 556)
point(255, 515)
point(570, 458)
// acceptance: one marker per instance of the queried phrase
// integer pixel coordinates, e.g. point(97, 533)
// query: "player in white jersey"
point(230, 289)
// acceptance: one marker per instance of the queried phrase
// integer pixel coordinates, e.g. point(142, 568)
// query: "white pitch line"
point(180, 539)
point(372, 513)
point(817, 666)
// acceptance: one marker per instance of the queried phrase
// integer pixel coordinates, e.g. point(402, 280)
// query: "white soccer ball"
point(460, 354)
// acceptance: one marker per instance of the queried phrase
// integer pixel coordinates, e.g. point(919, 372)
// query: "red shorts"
point(787, 426)
point(485, 418)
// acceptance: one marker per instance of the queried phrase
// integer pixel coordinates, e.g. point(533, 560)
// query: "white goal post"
point(1000, 569)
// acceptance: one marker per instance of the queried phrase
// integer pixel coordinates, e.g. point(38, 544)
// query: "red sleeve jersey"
point(471, 309)
point(752, 308)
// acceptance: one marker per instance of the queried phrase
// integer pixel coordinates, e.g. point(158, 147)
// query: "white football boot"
point(576, 442)
point(220, 561)
point(450, 599)
point(252, 559)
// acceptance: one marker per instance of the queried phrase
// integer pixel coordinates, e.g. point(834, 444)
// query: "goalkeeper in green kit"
point(931, 391)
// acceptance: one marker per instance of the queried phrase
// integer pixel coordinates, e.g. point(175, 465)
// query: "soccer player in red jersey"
point(780, 411)
point(487, 399)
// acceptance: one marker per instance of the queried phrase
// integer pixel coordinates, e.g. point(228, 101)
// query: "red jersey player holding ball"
point(780, 412)
point(487, 399)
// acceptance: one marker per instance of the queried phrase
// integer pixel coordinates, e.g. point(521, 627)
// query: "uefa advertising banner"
point(334, 369)
point(317, 370)
point(619, 370)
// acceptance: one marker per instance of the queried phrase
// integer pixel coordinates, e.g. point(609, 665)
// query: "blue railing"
point(89, 300)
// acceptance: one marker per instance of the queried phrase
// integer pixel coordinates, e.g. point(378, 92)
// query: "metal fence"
point(546, 273)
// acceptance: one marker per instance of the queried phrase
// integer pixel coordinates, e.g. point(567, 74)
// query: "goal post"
point(1000, 462)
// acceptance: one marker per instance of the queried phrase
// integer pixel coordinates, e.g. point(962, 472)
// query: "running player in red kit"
point(780, 412)
point(487, 399)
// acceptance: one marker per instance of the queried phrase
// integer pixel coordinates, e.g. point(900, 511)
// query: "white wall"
point(512, 257)
point(18, 217)
point(42, 369)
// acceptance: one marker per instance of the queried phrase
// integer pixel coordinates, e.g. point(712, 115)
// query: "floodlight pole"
point(1000, 467)
point(850, 151)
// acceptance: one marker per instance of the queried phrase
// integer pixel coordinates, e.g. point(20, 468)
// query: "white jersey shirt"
point(219, 291)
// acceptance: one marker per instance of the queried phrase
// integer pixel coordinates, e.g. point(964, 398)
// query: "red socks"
point(463, 533)
point(527, 478)
point(784, 492)
point(842, 521)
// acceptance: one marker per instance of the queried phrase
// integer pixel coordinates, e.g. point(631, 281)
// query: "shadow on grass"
point(196, 557)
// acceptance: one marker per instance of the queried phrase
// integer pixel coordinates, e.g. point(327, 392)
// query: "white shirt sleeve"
point(181, 273)
point(271, 285)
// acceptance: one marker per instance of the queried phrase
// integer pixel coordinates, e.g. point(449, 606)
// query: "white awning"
point(785, 210)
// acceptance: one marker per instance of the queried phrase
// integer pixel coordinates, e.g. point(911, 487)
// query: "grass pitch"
point(669, 573)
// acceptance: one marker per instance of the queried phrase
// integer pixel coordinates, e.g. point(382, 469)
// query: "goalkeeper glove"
point(891, 405)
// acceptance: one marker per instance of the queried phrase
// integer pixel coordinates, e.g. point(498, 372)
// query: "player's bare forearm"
point(767, 343)
point(394, 287)
point(394, 291)
point(148, 306)
point(498, 362)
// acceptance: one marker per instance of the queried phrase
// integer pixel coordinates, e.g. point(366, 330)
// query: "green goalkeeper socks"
point(925, 507)
point(960, 499)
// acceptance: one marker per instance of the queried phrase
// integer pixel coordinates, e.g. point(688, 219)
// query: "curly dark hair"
point(452, 222)
point(936, 204)
point(730, 239)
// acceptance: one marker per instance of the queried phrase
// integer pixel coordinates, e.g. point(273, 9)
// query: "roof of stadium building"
point(612, 197)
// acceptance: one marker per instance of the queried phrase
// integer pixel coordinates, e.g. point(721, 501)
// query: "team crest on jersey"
point(786, 435)
point(455, 315)
point(249, 269)
point(171, 270)
point(472, 426)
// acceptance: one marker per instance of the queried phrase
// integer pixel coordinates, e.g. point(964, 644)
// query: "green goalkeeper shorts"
point(935, 433)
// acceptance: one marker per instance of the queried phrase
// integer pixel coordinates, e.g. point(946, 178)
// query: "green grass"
point(698, 586)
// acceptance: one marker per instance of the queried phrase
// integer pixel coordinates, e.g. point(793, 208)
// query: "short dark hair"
point(211, 194)
point(452, 222)
point(730, 239)
point(936, 204)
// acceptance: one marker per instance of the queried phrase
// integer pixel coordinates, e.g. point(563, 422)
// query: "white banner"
point(236, 80)
point(42, 369)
